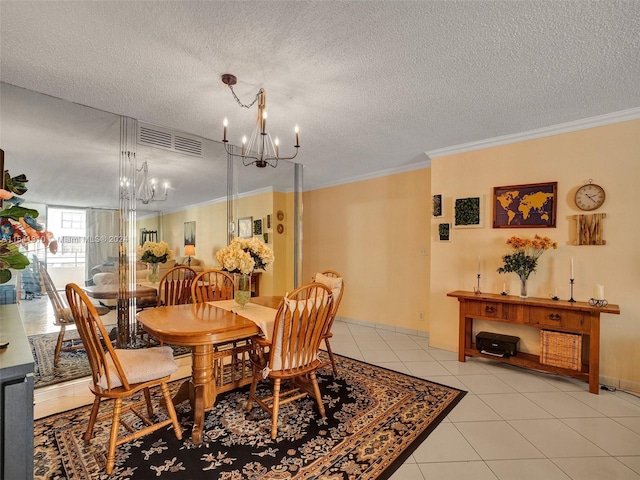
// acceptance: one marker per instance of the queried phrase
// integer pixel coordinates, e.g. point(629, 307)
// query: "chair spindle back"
point(175, 286)
point(299, 327)
point(95, 338)
point(212, 285)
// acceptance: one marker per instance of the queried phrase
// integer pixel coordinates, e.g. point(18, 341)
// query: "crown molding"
point(598, 121)
point(369, 176)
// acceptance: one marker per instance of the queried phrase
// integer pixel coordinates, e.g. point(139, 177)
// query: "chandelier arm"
point(230, 152)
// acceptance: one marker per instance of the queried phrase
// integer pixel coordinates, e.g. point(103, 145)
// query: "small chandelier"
point(260, 150)
point(147, 190)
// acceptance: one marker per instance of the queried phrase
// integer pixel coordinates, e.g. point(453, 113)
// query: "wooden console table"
point(558, 315)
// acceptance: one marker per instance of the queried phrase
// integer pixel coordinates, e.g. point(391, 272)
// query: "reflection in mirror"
point(266, 198)
point(70, 153)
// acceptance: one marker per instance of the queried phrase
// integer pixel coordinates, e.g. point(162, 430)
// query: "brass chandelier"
point(260, 149)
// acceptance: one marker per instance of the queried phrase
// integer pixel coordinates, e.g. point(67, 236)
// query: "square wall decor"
point(467, 212)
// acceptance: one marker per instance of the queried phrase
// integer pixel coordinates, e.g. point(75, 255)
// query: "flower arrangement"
point(244, 255)
point(18, 227)
point(155, 252)
point(524, 260)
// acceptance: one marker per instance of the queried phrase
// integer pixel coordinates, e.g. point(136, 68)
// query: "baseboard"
point(619, 384)
point(383, 326)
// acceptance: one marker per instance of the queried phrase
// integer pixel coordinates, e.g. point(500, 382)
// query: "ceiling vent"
point(159, 137)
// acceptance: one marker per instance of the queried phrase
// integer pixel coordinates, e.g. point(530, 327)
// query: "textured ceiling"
point(373, 85)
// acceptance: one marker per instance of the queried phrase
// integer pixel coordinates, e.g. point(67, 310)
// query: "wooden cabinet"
point(569, 317)
point(559, 319)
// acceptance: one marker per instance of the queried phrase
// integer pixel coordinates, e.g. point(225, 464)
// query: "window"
point(72, 220)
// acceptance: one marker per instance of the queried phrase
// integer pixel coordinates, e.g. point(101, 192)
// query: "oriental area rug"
point(375, 419)
point(71, 365)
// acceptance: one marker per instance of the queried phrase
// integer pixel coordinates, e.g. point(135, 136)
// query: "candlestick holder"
point(598, 303)
point(506, 292)
point(476, 290)
point(554, 297)
point(571, 280)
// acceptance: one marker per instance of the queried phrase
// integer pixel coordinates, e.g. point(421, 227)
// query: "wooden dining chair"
point(118, 374)
point(212, 285)
point(175, 286)
point(293, 350)
point(62, 316)
point(335, 282)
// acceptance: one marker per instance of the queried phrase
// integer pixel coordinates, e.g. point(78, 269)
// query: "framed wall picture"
point(190, 233)
point(525, 206)
point(245, 227)
point(257, 227)
point(268, 222)
point(467, 212)
point(437, 205)
point(444, 232)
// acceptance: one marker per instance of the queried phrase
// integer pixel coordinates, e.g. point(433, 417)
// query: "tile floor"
point(513, 424)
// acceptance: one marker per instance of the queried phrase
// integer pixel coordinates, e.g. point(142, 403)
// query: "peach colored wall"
point(211, 227)
point(610, 156)
point(373, 232)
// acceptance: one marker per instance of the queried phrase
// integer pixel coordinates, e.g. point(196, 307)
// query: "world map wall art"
point(525, 206)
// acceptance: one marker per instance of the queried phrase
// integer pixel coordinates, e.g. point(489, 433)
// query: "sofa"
point(104, 275)
point(197, 265)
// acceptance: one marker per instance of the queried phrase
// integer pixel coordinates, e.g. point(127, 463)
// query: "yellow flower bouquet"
point(155, 252)
point(244, 255)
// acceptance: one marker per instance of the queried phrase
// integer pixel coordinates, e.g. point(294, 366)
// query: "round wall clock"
point(589, 197)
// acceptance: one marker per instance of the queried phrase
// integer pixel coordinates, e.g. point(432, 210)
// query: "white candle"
point(478, 265)
point(598, 292)
point(504, 287)
point(572, 268)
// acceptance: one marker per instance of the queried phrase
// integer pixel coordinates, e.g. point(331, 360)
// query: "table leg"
point(197, 432)
point(123, 321)
point(202, 388)
point(464, 332)
point(594, 354)
point(183, 393)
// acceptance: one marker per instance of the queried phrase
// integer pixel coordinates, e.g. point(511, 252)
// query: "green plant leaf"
point(16, 260)
point(16, 212)
point(5, 276)
point(15, 184)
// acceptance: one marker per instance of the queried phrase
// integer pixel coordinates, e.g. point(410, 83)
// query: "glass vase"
point(242, 294)
point(154, 276)
point(523, 287)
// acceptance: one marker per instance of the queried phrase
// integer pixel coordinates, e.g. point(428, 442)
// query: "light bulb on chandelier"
point(260, 150)
point(147, 190)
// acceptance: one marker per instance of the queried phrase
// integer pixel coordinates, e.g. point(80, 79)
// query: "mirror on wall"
point(70, 153)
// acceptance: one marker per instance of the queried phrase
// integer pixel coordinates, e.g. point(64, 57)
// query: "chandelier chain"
point(242, 104)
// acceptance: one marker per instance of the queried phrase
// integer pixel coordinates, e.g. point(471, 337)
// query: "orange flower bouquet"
point(524, 260)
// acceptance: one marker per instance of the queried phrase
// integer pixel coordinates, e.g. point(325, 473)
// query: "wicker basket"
point(561, 349)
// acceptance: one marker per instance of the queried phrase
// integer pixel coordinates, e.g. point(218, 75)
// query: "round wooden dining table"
point(204, 328)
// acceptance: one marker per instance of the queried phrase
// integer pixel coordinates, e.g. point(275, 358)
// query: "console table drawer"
point(559, 318)
point(488, 309)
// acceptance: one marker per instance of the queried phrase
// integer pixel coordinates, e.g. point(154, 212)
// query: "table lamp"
point(189, 250)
